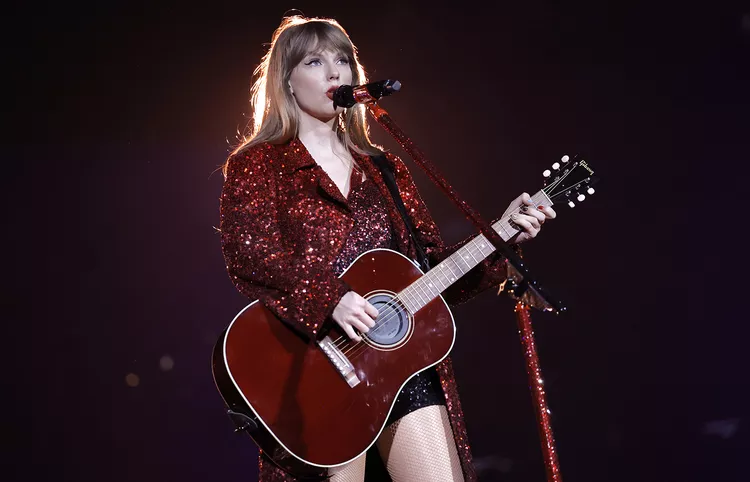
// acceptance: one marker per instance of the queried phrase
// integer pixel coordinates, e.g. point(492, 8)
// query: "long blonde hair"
point(274, 114)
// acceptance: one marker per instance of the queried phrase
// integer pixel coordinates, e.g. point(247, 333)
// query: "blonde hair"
point(274, 114)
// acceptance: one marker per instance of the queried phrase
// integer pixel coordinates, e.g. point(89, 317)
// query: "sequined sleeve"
point(264, 263)
point(490, 272)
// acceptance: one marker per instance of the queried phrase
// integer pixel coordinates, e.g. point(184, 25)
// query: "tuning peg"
point(565, 158)
point(581, 197)
point(547, 173)
point(556, 166)
point(591, 190)
point(571, 204)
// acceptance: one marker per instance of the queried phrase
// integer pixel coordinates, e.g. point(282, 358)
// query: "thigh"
point(420, 446)
point(354, 471)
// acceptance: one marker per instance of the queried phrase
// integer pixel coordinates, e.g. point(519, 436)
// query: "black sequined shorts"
point(422, 390)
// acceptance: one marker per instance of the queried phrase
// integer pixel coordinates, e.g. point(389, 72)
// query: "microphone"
point(347, 95)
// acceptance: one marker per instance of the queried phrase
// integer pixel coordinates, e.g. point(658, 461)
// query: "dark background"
point(121, 113)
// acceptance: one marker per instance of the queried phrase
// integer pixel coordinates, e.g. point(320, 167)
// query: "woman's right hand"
point(353, 311)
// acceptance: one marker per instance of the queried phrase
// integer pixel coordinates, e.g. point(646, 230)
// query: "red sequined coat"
point(283, 222)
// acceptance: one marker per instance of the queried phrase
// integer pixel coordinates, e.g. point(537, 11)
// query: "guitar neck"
point(442, 276)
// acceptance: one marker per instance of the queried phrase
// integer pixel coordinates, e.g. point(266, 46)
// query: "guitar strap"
point(390, 181)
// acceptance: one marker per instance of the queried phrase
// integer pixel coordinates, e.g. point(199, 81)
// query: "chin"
point(328, 115)
point(322, 113)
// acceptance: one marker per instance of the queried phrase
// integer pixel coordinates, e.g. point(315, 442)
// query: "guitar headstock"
point(569, 182)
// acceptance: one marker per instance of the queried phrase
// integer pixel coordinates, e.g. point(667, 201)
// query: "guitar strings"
point(394, 313)
point(350, 349)
point(416, 284)
point(380, 323)
point(430, 297)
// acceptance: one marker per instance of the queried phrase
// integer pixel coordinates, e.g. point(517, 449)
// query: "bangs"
point(316, 37)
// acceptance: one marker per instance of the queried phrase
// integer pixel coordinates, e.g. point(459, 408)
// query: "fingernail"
point(541, 208)
point(514, 216)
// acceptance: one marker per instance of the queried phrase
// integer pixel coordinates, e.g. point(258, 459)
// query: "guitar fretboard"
point(439, 278)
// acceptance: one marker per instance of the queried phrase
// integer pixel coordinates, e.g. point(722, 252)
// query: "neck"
point(317, 133)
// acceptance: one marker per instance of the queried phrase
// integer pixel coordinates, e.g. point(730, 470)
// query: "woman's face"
point(314, 77)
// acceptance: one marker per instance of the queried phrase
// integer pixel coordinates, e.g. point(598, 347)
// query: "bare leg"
point(420, 446)
point(354, 471)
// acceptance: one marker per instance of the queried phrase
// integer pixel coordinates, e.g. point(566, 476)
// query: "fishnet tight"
point(419, 446)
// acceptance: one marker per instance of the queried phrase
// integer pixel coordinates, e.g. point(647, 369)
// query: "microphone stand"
point(534, 372)
point(519, 284)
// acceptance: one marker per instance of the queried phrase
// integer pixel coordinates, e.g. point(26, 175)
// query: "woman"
point(302, 199)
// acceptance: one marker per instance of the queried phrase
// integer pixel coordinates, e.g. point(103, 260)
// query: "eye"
point(343, 60)
point(314, 61)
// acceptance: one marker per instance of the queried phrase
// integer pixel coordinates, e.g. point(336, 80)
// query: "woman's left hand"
point(527, 218)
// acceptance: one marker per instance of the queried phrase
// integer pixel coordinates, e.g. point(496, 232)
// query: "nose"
point(333, 71)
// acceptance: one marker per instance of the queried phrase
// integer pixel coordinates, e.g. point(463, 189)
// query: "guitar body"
point(308, 416)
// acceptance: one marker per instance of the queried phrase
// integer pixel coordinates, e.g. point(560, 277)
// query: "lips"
point(330, 92)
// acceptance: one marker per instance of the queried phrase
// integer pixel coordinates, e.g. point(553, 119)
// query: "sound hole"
point(392, 324)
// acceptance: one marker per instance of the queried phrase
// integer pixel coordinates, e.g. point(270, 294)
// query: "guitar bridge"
point(340, 361)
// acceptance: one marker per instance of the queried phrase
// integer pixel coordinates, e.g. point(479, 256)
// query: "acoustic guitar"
point(311, 405)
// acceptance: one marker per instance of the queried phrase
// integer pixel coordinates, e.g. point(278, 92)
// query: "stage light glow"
point(166, 363)
point(132, 380)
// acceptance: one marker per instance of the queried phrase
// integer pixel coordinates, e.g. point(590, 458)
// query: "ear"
point(290, 87)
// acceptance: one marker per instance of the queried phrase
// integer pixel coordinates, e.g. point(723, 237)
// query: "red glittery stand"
point(536, 385)
point(522, 309)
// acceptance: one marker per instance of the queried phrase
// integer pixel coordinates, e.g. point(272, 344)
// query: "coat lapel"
point(329, 188)
point(301, 158)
